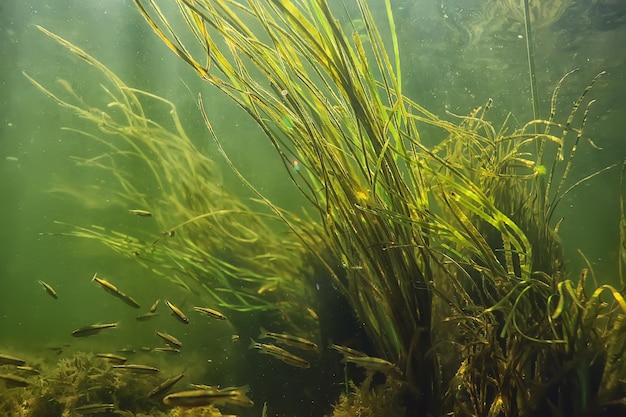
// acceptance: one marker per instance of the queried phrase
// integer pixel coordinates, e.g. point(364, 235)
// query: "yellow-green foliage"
point(467, 224)
point(243, 259)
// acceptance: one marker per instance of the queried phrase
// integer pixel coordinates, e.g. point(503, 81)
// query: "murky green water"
point(455, 57)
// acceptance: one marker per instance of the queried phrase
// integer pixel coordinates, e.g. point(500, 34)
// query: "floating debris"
point(51, 292)
point(177, 313)
point(92, 329)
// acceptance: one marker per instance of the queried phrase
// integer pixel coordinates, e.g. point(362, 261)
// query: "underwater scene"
point(351, 208)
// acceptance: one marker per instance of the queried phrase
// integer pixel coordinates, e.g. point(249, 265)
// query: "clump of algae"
point(372, 400)
point(83, 379)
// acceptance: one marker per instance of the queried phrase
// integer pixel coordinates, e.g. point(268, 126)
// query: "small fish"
point(141, 369)
point(146, 316)
point(13, 381)
point(95, 408)
point(113, 290)
point(112, 358)
point(140, 213)
point(168, 349)
point(293, 341)
point(347, 351)
point(210, 312)
point(170, 340)
point(375, 364)
point(154, 306)
point(92, 329)
point(204, 397)
point(177, 313)
point(51, 292)
point(127, 351)
point(106, 285)
point(28, 370)
point(280, 353)
point(202, 386)
point(165, 386)
point(295, 361)
point(57, 349)
point(11, 360)
point(128, 300)
point(234, 338)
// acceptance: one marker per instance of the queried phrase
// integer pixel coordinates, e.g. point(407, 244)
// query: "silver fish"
point(165, 386)
point(11, 360)
point(280, 353)
point(177, 313)
point(210, 312)
point(203, 397)
point(293, 341)
point(51, 292)
point(13, 381)
point(112, 358)
point(146, 316)
point(140, 213)
point(95, 408)
point(170, 340)
point(92, 329)
point(140, 369)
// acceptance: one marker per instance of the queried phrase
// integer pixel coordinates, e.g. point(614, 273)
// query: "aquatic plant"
point(371, 400)
point(211, 241)
point(470, 220)
point(83, 379)
point(79, 380)
point(454, 245)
